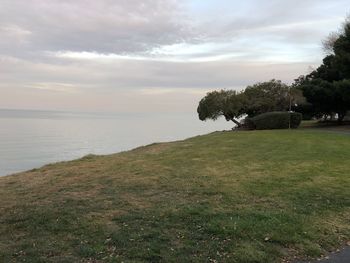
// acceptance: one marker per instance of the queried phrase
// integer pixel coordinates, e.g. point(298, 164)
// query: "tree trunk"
point(341, 116)
point(236, 122)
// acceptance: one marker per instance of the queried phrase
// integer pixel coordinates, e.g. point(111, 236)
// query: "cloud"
point(108, 26)
point(54, 87)
point(154, 27)
point(103, 76)
point(131, 55)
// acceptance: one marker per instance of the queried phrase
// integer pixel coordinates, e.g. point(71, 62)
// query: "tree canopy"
point(327, 88)
point(227, 103)
point(254, 100)
point(266, 97)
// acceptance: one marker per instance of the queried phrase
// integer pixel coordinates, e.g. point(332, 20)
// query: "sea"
point(32, 138)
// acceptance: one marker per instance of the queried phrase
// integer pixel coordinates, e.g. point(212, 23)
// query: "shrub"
point(274, 120)
point(248, 124)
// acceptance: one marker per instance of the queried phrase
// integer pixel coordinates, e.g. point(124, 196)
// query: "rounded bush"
point(275, 120)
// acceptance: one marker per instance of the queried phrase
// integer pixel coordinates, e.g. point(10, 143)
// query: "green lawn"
point(260, 196)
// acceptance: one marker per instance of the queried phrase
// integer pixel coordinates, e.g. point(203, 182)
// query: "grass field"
point(260, 196)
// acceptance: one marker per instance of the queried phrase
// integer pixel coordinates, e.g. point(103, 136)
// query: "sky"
point(131, 56)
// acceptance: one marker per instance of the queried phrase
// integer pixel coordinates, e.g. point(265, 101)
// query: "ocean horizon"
point(32, 138)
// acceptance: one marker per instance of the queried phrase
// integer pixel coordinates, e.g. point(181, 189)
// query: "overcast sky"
point(153, 55)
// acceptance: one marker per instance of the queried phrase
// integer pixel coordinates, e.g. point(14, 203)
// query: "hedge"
point(274, 120)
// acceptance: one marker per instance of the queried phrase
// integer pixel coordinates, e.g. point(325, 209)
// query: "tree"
point(327, 71)
point(254, 100)
point(321, 95)
point(341, 50)
point(210, 107)
point(267, 96)
point(234, 107)
point(342, 98)
point(327, 88)
point(227, 103)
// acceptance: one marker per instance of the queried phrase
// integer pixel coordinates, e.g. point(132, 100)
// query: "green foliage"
point(341, 49)
point(275, 120)
point(259, 98)
point(326, 97)
point(327, 71)
point(210, 107)
point(227, 103)
point(327, 88)
point(321, 94)
point(342, 97)
point(266, 97)
point(306, 109)
point(234, 105)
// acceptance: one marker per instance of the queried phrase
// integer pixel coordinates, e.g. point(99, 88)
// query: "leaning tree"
point(256, 99)
point(227, 103)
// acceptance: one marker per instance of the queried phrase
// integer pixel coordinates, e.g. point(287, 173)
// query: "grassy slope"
point(230, 197)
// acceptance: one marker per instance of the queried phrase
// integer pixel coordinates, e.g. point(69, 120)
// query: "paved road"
point(345, 130)
point(340, 257)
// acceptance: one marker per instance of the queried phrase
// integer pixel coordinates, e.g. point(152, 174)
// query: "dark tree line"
point(327, 89)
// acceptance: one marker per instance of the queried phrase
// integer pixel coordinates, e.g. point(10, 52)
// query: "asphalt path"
point(343, 256)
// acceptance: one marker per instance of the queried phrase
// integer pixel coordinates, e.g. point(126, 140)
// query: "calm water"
point(30, 139)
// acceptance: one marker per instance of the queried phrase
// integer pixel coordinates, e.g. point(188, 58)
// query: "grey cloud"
point(109, 26)
point(277, 17)
point(131, 26)
point(128, 86)
point(102, 76)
